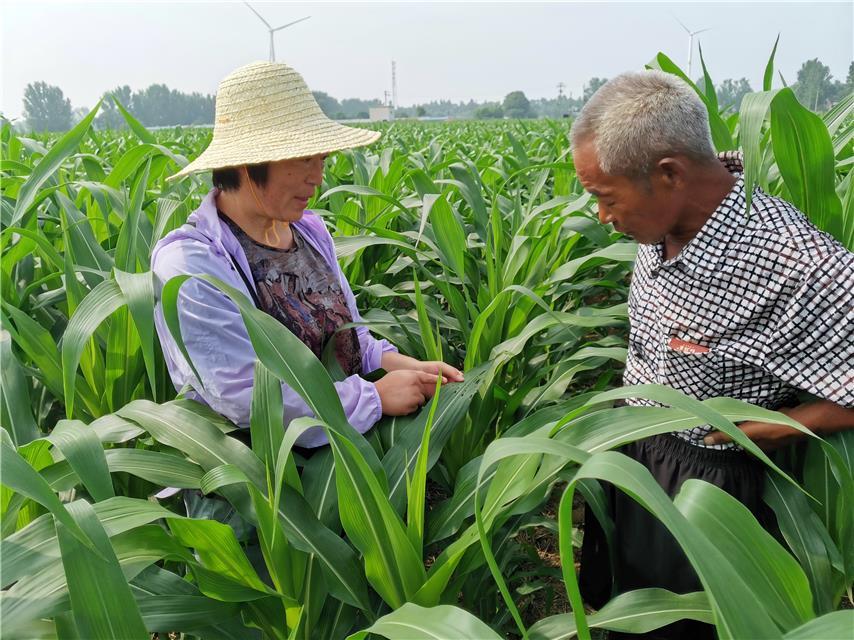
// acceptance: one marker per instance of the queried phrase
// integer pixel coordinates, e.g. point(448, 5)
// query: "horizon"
point(503, 54)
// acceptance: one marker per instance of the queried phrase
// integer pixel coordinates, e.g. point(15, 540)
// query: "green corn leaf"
point(141, 132)
point(416, 493)
point(83, 451)
point(101, 601)
point(265, 424)
point(48, 165)
point(754, 110)
point(785, 594)
point(450, 236)
point(451, 409)
point(392, 565)
point(35, 547)
point(81, 240)
point(178, 426)
point(15, 413)
point(443, 622)
point(431, 348)
point(128, 246)
point(96, 307)
point(219, 553)
point(706, 412)
point(639, 611)
point(837, 624)
point(768, 78)
point(806, 537)
point(19, 476)
point(138, 292)
point(804, 154)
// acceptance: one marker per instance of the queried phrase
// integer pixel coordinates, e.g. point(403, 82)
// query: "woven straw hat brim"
point(319, 137)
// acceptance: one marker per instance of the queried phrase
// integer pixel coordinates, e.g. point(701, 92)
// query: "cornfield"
point(464, 241)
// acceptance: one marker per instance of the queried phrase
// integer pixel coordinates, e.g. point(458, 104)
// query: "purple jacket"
point(216, 337)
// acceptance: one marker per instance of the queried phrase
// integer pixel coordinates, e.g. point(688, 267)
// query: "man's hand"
point(392, 361)
point(766, 435)
point(821, 417)
point(402, 392)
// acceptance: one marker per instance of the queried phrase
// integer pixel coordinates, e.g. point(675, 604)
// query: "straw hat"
point(265, 112)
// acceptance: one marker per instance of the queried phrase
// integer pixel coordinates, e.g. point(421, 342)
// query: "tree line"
point(47, 109)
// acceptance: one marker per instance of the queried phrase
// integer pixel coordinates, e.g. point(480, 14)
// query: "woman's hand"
point(393, 361)
point(404, 391)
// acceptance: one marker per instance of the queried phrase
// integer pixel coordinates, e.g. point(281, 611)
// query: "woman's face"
point(290, 184)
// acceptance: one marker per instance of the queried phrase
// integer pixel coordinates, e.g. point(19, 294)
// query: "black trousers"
point(646, 553)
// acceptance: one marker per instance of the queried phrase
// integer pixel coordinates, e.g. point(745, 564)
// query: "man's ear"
point(670, 172)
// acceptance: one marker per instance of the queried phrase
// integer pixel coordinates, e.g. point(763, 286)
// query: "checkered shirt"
point(767, 298)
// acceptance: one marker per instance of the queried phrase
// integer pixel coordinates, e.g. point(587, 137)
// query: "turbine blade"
point(682, 24)
point(290, 23)
point(257, 14)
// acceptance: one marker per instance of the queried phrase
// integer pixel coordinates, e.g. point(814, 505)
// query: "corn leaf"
point(443, 622)
point(48, 165)
point(101, 601)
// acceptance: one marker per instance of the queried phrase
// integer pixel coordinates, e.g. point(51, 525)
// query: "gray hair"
point(638, 118)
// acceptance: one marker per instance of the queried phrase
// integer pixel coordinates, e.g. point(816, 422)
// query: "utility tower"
point(560, 87)
point(393, 85)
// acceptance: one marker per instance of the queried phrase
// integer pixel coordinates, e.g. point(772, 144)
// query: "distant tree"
point(362, 115)
point(516, 105)
point(732, 92)
point(420, 112)
point(46, 108)
point(78, 114)
point(844, 89)
point(109, 117)
point(401, 113)
point(157, 105)
point(327, 103)
point(592, 87)
point(152, 106)
point(814, 87)
point(354, 106)
point(489, 112)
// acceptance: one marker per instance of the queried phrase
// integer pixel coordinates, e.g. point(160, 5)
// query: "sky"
point(455, 51)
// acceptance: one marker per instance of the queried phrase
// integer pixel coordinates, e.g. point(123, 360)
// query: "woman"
point(252, 231)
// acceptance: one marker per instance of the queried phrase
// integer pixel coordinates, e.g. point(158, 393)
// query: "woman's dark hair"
point(228, 179)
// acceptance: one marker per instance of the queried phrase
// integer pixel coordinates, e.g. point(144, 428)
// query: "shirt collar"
point(705, 251)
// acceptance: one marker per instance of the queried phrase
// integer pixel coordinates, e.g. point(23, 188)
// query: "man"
point(757, 307)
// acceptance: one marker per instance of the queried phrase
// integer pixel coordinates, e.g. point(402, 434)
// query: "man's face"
point(290, 184)
point(645, 210)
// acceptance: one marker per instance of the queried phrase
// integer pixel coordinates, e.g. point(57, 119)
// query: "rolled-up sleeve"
point(222, 353)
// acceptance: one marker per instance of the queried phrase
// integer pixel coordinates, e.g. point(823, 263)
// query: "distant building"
point(381, 114)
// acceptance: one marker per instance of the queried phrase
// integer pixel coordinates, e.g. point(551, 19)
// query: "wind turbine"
point(691, 35)
point(273, 30)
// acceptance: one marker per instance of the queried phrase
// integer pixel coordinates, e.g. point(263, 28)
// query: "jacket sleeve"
point(219, 346)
